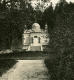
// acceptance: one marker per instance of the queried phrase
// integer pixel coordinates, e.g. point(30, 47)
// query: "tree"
point(48, 17)
point(60, 64)
point(13, 19)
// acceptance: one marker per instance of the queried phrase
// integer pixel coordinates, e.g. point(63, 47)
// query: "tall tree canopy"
point(60, 65)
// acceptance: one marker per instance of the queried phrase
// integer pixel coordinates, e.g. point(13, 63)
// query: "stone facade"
point(35, 38)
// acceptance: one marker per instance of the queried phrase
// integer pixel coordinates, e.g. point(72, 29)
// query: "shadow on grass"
point(24, 55)
point(6, 64)
point(60, 68)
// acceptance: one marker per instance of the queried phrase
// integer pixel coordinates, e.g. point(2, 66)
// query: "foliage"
point(14, 15)
point(48, 17)
point(61, 63)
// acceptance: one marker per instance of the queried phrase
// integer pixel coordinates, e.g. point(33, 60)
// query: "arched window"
point(39, 40)
point(35, 36)
point(31, 40)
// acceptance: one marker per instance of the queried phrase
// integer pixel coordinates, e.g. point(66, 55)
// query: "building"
point(35, 39)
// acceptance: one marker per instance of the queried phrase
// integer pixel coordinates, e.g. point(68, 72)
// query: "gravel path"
point(27, 70)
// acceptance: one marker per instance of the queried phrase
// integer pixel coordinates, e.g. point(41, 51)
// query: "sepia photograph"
point(36, 39)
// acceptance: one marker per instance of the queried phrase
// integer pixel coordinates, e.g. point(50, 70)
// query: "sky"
point(54, 2)
point(70, 1)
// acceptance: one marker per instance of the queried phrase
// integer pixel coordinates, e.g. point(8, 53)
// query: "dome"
point(36, 27)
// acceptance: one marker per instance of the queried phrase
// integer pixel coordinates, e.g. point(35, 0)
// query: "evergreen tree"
point(60, 64)
point(48, 17)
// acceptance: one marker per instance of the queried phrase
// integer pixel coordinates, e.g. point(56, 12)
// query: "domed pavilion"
point(35, 39)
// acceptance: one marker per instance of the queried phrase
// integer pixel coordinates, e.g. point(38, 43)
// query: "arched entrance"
point(35, 45)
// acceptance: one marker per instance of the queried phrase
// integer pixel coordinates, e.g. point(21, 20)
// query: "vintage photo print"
point(36, 39)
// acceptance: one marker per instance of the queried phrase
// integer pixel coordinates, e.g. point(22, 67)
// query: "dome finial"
point(46, 27)
point(36, 27)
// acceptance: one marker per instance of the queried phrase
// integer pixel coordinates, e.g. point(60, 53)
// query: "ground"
point(27, 70)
